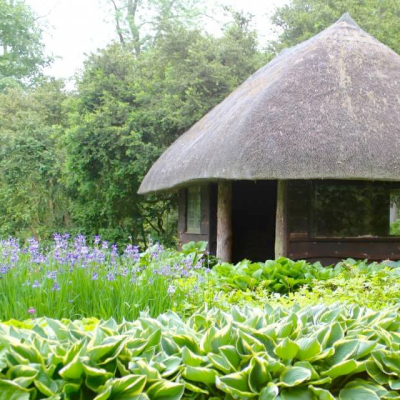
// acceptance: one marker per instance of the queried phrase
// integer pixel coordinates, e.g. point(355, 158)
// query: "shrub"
point(320, 352)
point(280, 276)
point(374, 285)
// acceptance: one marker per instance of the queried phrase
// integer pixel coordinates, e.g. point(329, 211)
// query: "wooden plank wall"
point(301, 245)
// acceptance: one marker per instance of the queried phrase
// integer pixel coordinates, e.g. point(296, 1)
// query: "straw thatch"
point(326, 108)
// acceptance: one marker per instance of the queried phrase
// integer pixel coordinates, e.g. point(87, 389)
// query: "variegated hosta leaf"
point(317, 353)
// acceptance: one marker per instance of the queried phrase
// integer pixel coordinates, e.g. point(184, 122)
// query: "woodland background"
point(72, 160)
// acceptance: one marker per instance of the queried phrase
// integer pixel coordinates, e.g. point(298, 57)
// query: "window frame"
point(197, 230)
point(311, 213)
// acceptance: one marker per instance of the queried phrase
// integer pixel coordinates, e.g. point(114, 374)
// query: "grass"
point(71, 279)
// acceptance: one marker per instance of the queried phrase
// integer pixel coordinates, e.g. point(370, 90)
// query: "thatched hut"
point(302, 160)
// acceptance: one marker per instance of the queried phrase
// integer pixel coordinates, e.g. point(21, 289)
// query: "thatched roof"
point(326, 108)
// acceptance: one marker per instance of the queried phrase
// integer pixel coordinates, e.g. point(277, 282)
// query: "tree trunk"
point(224, 222)
point(132, 10)
point(280, 221)
point(117, 23)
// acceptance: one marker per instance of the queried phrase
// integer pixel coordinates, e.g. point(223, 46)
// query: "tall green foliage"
point(32, 199)
point(140, 23)
point(129, 108)
point(301, 19)
point(21, 45)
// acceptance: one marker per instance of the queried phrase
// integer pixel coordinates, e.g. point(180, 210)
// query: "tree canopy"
point(301, 19)
point(73, 160)
point(22, 53)
point(129, 108)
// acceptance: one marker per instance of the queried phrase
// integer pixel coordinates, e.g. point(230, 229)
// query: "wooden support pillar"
point(224, 221)
point(280, 230)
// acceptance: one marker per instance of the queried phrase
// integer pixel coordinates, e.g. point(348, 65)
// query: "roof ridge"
point(347, 18)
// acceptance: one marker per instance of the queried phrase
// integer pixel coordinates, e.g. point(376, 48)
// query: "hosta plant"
point(320, 352)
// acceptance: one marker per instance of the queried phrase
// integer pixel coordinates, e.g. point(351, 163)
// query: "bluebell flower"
point(52, 275)
point(110, 277)
point(171, 289)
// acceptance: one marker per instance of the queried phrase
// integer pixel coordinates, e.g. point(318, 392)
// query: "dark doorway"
point(253, 213)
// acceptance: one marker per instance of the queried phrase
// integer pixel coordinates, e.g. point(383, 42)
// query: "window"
point(394, 212)
point(355, 209)
point(193, 207)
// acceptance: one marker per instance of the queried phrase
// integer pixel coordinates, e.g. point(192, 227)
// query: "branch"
point(132, 9)
point(50, 11)
point(119, 30)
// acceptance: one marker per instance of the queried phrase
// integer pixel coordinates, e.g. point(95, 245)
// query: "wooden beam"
point(224, 221)
point(280, 230)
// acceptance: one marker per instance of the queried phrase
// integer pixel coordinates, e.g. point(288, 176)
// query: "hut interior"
point(253, 220)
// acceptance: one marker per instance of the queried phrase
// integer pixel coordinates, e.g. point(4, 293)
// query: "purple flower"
point(36, 284)
point(31, 310)
point(185, 273)
point(84, 250)
point(171, 289)
point(56, 286)
point(52, 275)
point(95, 276)
point(110, 276)
point(97, 239)
point(104, 245)
point(33, 245)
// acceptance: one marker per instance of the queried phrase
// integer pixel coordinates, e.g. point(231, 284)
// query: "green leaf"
point(293, 376)
point(128, 386)
point(270, 392)
point(321, 394)
point(344, 349)
point(258, 375)
point(235, 384)
point(308, 348)
point(190, 358)
point(344, 368)
point(11, 391)
point(223, 337)
point(297, 394)
point(287, 349)
point(198, 374)
point(164, 390)
point(74, 370)
point(357, 393)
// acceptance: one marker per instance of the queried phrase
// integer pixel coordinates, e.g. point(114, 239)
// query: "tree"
point(301, 19)
point(140, 22)
point(21, 45)
point(129, 108)
point(106, 153)
point(33, 200)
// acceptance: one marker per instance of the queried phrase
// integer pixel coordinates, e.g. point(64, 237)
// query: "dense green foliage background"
point(73, 160)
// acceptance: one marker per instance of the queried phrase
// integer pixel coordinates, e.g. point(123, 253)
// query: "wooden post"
point(280, 221)
point(224, 221)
